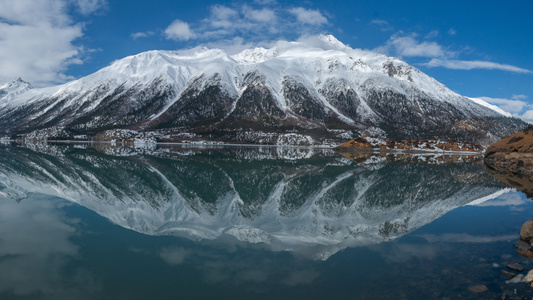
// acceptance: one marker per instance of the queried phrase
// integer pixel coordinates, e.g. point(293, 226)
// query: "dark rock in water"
point(508, 273)
point(515, 267)
point(522, 245)
point(524, 252)
point(478, 288)
point(526, 232)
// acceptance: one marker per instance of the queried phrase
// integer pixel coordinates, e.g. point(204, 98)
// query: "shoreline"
point(209, 144)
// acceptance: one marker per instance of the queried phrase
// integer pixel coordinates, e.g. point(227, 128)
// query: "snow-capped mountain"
point(319, 89)
point(12, 89)
point(309, 201)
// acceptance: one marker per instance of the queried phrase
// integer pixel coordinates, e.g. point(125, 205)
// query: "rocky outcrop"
point(513, 154)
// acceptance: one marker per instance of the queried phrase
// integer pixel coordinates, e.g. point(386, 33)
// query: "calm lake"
point(176, 222)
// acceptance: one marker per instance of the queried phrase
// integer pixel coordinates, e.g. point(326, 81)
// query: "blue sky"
point(476, 48)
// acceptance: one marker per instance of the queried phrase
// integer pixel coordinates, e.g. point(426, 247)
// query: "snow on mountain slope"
point(13, 89)
point(317, 84)
point(314, 206)
point(491, 106)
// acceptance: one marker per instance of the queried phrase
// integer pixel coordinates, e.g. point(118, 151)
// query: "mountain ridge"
point(319, 89)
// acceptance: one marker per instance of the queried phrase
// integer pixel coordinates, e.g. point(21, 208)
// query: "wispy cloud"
point(44, 25)
point(223, 17)
point(409, 46)
point(432, 34)
point(473, 64)
point(138, 35)
point(88, 7)
point(259, 15)
point(452, 31)
point(517, 106)
point(382, 24)
point(520, 97)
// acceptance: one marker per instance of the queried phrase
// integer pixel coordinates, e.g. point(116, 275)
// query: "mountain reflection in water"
point(309, 201)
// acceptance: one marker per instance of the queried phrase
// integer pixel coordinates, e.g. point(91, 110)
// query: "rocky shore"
point(512, 154)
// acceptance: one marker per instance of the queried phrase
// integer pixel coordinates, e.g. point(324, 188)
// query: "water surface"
point(100, 222)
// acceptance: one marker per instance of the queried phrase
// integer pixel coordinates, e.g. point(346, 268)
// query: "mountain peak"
point(330, 39)
point(324, 42)
point(12, 89)
point(16, 82)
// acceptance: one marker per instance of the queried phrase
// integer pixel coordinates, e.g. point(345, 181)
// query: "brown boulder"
point(526, 232)
point(524, 252)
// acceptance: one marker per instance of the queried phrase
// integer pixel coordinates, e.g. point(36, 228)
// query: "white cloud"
point(226, 27)
point(43, 25)
point(452, 31)
point(474, 64)
point(510, 105)
point(34, 12)
point(410, 47)
point(308, 16)
point(527, 116)
point(516, 106)
point(179, 31)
